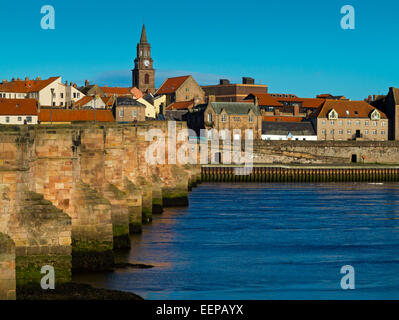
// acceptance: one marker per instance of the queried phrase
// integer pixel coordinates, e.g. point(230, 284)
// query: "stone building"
point(143, 74)
point(180, 89)
point(389, 104)
point(350, 120)
point(234, 92)
point(231, 116)
point(127, 109)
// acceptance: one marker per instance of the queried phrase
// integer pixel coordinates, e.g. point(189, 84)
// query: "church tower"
point(143, 74)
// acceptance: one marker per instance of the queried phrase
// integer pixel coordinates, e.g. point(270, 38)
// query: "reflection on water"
point(267, 241)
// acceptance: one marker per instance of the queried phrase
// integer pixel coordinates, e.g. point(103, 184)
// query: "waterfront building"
point(181, 89)
point(389, 104)
point(143, 74)
point(234, 92)
point(18, 111)
point(350, 120)
point(288, 131)
point(231, 116)
point(127, 109)
point(49, 92)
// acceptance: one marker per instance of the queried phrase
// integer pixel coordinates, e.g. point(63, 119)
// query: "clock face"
point(146, 63)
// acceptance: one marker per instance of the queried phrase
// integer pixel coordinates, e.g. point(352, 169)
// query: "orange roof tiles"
point(18, 107)
point(64, 115)
point(171, 85)
point(347, 109)
point(282, 119)
point(265, 99)
point(181, 105)
point(83, 101)
point(116, 90)
point(306, 102)
point(22, 86)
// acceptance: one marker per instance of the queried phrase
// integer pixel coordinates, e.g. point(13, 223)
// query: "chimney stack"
point(224, 81)
point(248, 80)
point(87, 83)
point(296, 110)
point(39, 78)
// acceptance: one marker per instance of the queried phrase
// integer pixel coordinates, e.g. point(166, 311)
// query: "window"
point(332, 122)
point(223, 118)
point(374, 131)
point(349, 123)
point(147, 78)
point(323, 122)
point(358, 122)
point(382, 131)
point(349, 131)
point(134, 113)
point(340, 132)
point(7, 119)
point(383, 123)
point(121, 113)
point(19, 118)
point(340, 122)
point(374, 123)
point(29, 119)
point(74, 95)
point(323, 131)
point(366, 123)
point(62, 95)
point(366, 132)
point(209, 117)
point(78, 94)
point(332, 131)
point(251, 118)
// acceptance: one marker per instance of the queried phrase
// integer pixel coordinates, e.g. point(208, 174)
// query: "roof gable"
point(171, 85)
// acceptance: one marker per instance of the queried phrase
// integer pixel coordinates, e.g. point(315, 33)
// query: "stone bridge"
point(71, 194)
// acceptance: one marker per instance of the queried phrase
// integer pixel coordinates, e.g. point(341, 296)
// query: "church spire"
point(143, 38)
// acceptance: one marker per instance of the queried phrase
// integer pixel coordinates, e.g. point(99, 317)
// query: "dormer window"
point(375, 115)
point(333, 115)
point(347, 112)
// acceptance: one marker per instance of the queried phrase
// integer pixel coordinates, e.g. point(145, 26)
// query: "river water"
point(267, 241)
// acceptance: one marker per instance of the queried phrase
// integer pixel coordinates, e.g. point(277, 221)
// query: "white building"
point(288, 131)
point(49, 92)
point(18, 111)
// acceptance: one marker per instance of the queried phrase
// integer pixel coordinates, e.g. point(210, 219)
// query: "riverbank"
point(74, 291)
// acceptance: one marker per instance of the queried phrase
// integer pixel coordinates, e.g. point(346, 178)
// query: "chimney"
point(296, 110)
point(13, 79)
point(39, 78)
point(224, 81)
point(248, 80)
point(87, 83)
point(256, 100)
point(75, 86)
point(211, 98)
point(70, 83)
point(18, 79)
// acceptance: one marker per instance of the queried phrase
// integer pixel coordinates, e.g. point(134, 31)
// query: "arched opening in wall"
point(146, 78)
point(354, 158)
point(218, 157)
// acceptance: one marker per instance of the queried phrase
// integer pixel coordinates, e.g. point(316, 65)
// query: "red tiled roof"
point(171, 85)
point(21, 86)
point(64, 115)
point(116, 90)
point(20, 107)
point(282, 119)
point(109, 101)
point(347, 109)
point(181, 105)
point(137, 93)
point(265, 99)
point(306, 102)
point(83, 101)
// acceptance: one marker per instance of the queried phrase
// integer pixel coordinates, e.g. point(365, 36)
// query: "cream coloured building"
point(49, 92)
point(350, 120)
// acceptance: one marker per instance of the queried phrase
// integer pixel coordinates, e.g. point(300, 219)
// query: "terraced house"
point(350, 120)
point(239, 116)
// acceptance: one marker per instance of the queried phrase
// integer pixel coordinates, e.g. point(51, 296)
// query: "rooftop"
point(18, 107)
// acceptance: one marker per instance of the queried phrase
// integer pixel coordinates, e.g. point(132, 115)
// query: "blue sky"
point(292, 46)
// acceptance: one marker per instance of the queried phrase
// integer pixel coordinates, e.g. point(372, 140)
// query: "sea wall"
point(326, 152)
point(71, 194)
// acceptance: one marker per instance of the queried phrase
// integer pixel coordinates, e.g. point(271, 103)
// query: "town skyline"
point(326, 60)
